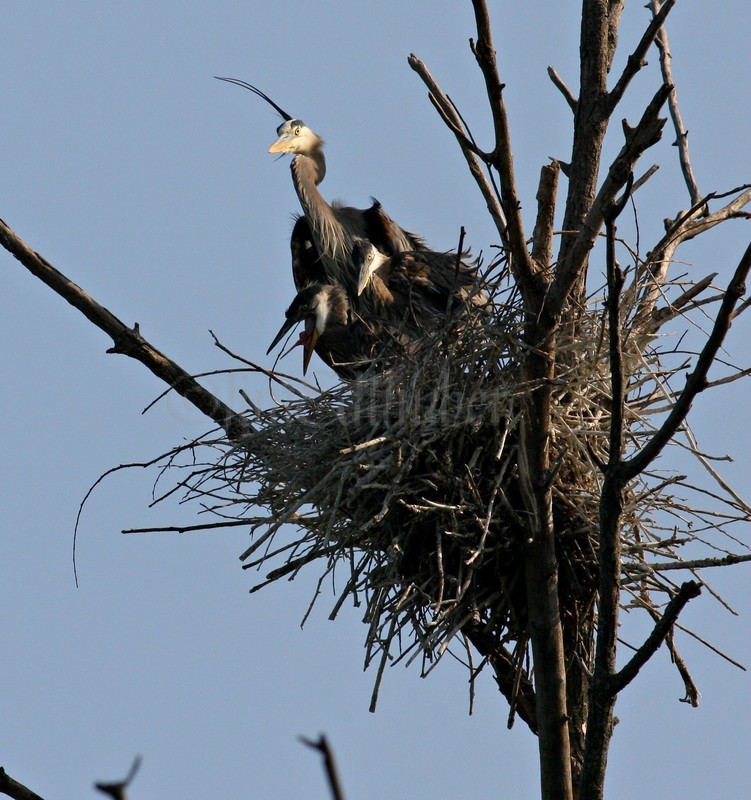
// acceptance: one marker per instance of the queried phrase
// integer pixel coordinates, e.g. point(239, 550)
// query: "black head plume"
point(284, 115)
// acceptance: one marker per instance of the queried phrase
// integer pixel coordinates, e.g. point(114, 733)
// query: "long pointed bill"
point(367, 269)
point(311, 339)
point(283, 331)
point(280, 145)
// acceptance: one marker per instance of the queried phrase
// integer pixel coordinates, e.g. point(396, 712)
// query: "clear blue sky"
point(148, 183)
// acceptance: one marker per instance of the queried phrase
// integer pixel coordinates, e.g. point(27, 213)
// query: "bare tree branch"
point(597, 43)
point(127, 341)
point(681, 134)
point(636, 60)
point(639, 182)
point(542, 235)
point(686, 226)
point(615, 287)
point(230, 523)
point(647, 133)
point(540, 560)
point(15, 789)
point(449, 115)
point(329, 764)
point(699, 563)
point(502, 157)
point(621, 679)
point(568, 95)
point(515, 686)
point(696, 381)
point(117, 790)
point(599, 726)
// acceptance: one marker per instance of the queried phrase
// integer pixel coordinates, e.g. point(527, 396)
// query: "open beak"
point(310, 341)
point(283, 331)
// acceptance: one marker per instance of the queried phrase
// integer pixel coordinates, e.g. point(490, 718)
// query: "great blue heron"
point(346, 342)
point(418, 288)
point(334, 227)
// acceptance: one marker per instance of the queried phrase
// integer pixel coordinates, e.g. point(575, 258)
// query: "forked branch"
point(660, 632)
point(472, 154)
point(329, 765)
point(636, 60)
point(646, 133)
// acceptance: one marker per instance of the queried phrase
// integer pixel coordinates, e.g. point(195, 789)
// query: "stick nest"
point(410, 482)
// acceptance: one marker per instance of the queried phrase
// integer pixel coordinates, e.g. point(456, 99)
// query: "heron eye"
point(298, 130)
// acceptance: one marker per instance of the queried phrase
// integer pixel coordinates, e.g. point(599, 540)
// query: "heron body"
point(308, 266)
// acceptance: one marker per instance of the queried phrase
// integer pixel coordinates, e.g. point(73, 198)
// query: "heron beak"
point(366, 271)
point(283, 331)
point(281, 145)
point(311, 339)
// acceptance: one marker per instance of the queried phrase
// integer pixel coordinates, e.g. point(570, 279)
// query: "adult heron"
point(333, 227)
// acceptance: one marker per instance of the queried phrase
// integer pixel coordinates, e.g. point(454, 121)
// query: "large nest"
point(411, 481)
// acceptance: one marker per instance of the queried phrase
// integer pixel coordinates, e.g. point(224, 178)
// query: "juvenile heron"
point(417, 288)
point(346, 342)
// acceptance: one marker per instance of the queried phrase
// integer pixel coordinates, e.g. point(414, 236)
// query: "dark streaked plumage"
point(416, 288)
point(307, 267)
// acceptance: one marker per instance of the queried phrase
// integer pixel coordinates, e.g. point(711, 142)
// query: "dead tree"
point(497, 488)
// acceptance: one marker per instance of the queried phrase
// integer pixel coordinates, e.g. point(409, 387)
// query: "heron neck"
point(310, 167)
point(307, 173)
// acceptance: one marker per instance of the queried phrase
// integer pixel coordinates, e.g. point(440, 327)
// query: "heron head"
point(366, 259)
point(312, 306)
point(294, 136)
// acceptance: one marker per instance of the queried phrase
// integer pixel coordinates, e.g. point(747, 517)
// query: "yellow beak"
point(309, 348)
point(281, 145)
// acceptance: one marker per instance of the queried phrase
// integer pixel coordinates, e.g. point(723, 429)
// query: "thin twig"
point(636, 60)
point(681, 134)
point(329, 764)
point(568, 95)
point(470, 151)
point(696, 381)
point(230, 523)
point(699, 563)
